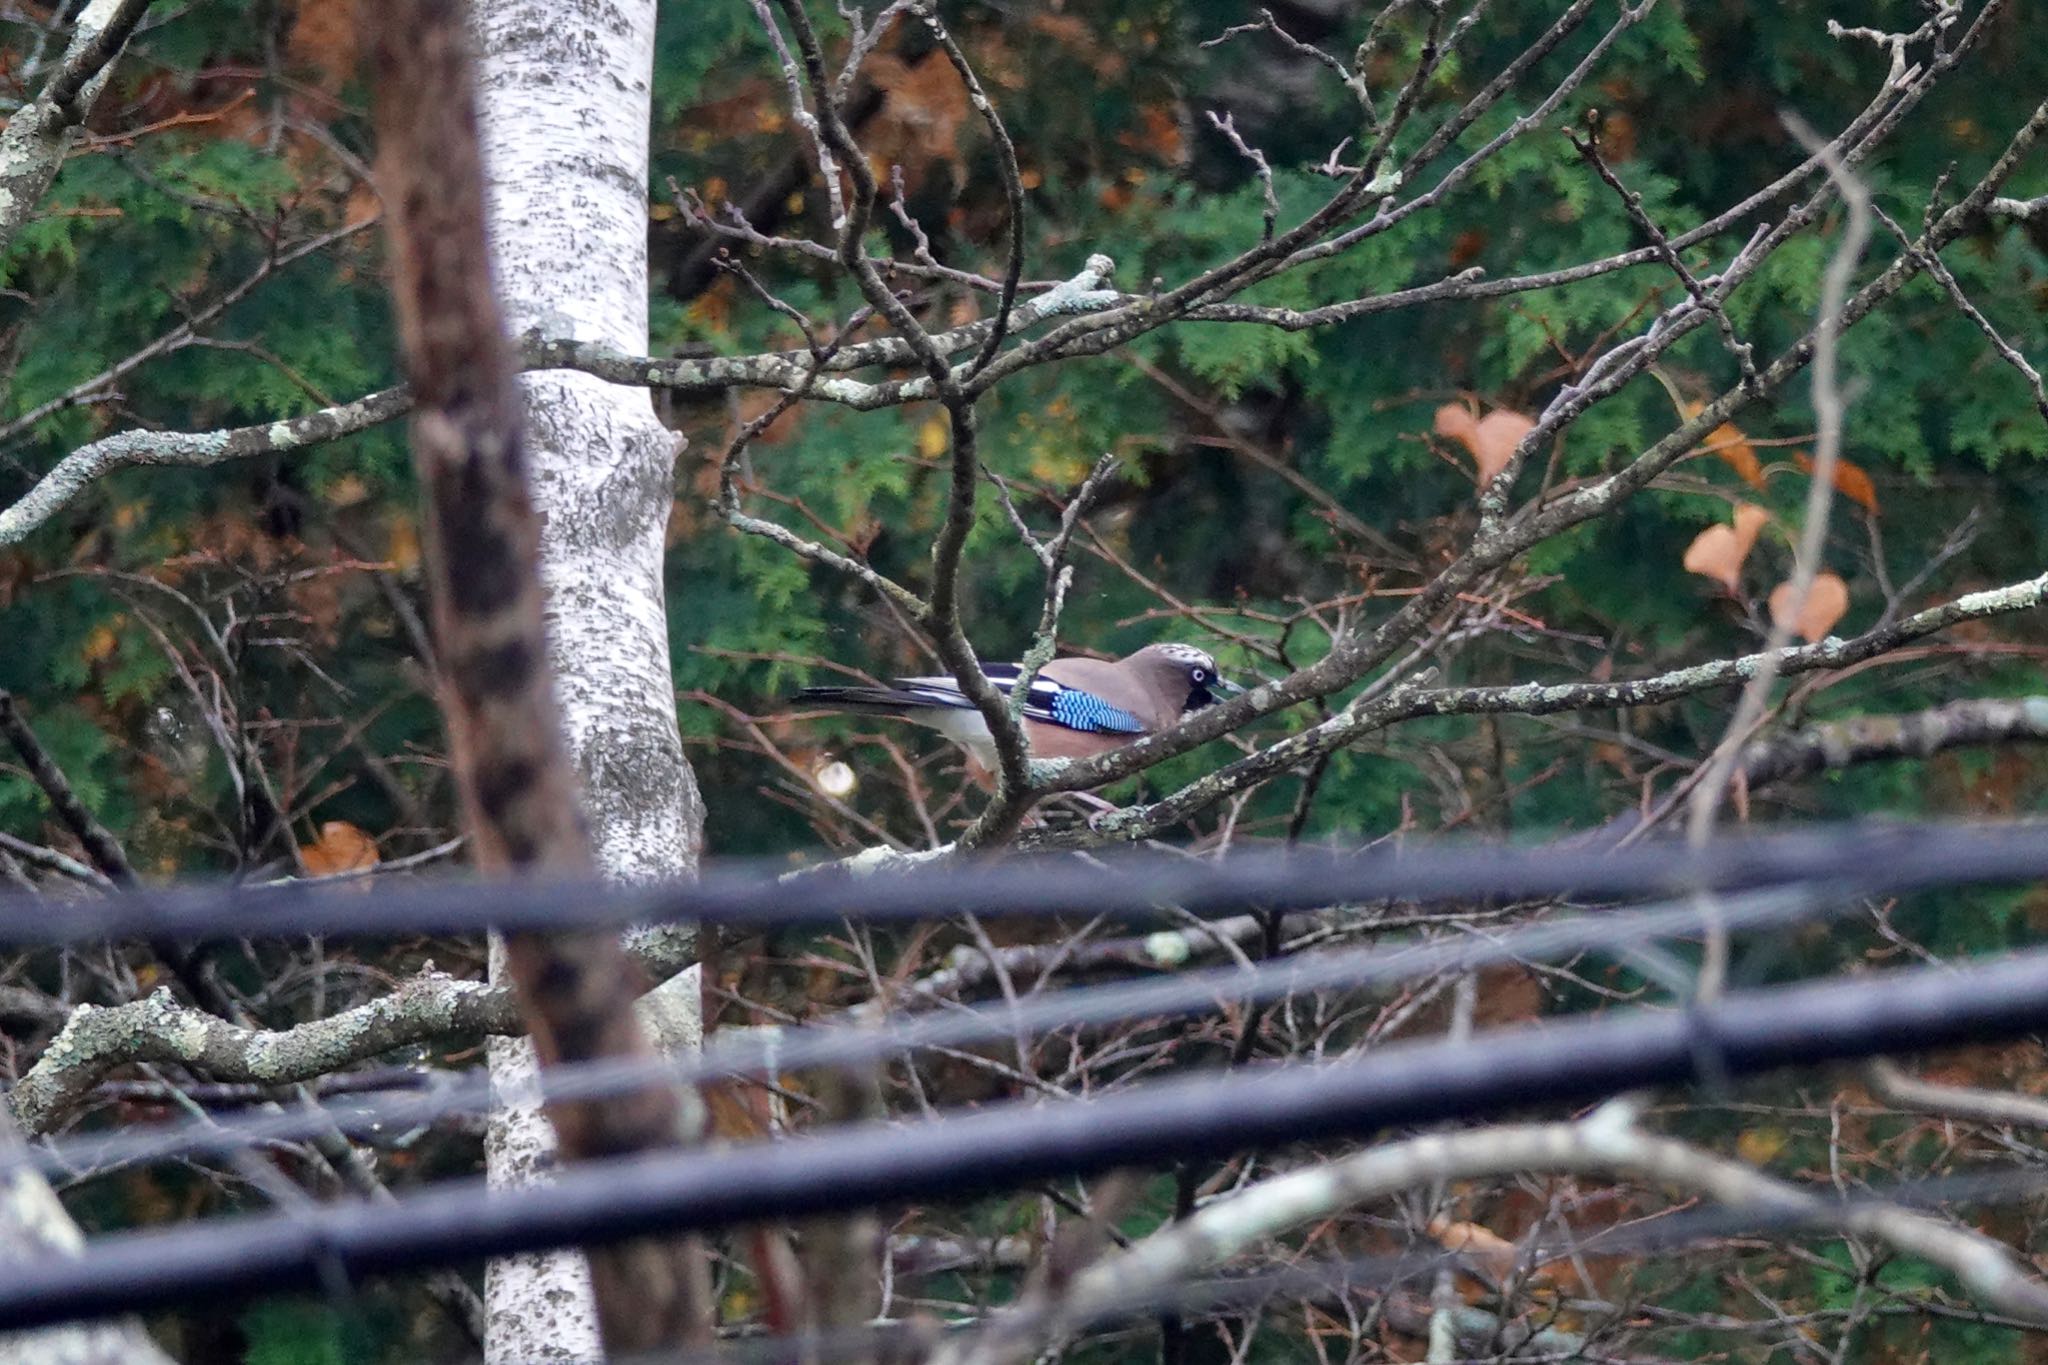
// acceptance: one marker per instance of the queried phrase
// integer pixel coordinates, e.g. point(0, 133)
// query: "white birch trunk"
point(34, 1228)
point(564, 95)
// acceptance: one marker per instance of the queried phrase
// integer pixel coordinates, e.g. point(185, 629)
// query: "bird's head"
point(1183, 670)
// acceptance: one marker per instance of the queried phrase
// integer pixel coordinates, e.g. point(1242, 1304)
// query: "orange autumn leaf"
point(1826, 603)
point(341, 847)
point(1488, 1252)
point(1850, 480)
point(1728, 442)
point(1719, 551)
point(1491, 439)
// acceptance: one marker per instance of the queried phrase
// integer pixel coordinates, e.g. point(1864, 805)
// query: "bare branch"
point(97, 840)
point(1918, 734)
point(1830, 405)
point(1410, 702)
point(1227, 125)
point(1970, 1105)
point(1605, 1143)
point(1945, 277)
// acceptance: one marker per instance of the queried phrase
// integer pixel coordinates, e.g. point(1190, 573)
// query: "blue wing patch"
point(1078, 710)
point(1055, 703)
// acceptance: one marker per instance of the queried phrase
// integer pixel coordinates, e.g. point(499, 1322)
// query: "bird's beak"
point(1226, 688)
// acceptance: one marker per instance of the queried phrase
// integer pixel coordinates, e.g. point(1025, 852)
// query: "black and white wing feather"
point(1054, 703)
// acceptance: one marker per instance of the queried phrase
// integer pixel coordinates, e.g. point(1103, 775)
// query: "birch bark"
point(563, 87)
point(37, 1228)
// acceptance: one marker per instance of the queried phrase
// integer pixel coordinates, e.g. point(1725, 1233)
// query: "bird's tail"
point(872, 700)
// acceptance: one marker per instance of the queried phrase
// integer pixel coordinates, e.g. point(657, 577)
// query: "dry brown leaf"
point(1499, 432)
point(341, 847)
point(1456, 421)
point(922, 111)
point(1750, 521)
point(1491, 439)
point(1716, 553)
point(1826, 603)
point(1850, 480)
point(323, 41)
point(1158, 134)
point(1720, 551)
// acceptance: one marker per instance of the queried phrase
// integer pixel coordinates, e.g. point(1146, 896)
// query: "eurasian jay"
point(1077, 708)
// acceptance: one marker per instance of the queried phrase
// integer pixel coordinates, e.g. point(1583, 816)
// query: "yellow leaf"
point(404, 551)
point(933, 438)
point(1758, 1145)
point(101, 643)
point(347, 491)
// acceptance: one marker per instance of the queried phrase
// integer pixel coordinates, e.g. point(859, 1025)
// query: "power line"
point(1854, 860)
point(1612, 933)
point(1375, 1274)
point(1004, 1145)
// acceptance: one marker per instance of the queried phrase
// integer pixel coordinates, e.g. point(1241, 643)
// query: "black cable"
point(1618, 934)
point(1854, 860)
point(1338, 1277)
point(1002, 1146)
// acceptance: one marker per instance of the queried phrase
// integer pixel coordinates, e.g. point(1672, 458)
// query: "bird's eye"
point(1200, 675)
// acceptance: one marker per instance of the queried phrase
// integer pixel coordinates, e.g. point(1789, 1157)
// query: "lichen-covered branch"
point(89, 463)
point(78, 470)
point(430, 1008)
point(40, 132)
